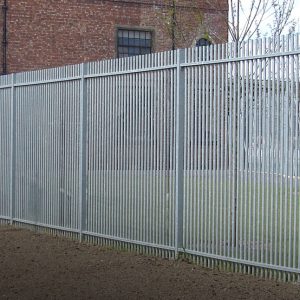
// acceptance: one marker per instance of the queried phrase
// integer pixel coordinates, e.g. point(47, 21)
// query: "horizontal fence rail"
point(193, 151)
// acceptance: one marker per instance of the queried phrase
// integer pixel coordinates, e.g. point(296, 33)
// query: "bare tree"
point(282, 17)
point(247, 18)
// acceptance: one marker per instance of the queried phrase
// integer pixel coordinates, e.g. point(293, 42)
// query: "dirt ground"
point(38, 266)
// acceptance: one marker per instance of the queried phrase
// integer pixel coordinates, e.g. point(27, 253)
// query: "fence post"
point(13, 149)
point(179, 179)
point(82, 151)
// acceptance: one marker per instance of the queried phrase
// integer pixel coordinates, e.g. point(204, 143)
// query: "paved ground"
point(38, 266)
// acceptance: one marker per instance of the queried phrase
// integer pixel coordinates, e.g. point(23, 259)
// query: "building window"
point(134, 42)
point(203, 42)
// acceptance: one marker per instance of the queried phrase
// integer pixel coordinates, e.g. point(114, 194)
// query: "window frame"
point(207, 42)
point(129, 28)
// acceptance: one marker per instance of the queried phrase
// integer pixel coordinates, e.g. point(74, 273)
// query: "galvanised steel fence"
point(194, 151)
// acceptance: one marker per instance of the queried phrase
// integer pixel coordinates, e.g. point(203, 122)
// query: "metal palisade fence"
point(195, 152)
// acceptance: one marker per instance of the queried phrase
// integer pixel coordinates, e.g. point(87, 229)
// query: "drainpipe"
point(173, 24)
point(4, 39)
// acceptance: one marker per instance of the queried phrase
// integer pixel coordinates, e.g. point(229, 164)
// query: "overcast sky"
point(296, 14)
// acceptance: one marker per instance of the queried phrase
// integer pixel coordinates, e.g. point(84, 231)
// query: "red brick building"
point(46, 33)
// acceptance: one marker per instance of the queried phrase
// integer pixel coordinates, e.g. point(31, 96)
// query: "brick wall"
point(48, 33)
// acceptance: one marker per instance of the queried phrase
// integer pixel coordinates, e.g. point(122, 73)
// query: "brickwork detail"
point(49, 33)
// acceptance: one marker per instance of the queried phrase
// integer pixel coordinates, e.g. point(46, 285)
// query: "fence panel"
point(131, 150)
point(242, 153)
point(47, 138)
